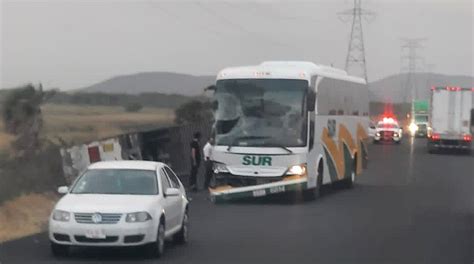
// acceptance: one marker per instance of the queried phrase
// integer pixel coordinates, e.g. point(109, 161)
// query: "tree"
point(133, 107)
point(22, 117)
point(194, 112)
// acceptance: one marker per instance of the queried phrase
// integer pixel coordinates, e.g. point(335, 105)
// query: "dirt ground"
point(25, 215)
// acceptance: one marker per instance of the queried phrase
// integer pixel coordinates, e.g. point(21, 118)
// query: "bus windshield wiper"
point(278, 145)
point(243, 137)
point(272, 144)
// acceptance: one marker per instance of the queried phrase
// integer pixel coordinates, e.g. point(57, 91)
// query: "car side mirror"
point(63, 189)
point(172, 192)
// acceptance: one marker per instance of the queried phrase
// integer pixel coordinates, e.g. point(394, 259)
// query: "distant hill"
point(390, 89)
point(153, 82)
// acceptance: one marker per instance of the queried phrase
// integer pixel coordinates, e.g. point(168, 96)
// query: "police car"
point(388, 130)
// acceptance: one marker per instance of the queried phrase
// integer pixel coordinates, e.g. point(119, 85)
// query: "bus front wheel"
point(313, 193)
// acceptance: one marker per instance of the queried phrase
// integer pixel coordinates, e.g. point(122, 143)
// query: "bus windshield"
point(261, 112)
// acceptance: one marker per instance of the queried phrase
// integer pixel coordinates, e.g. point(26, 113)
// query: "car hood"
point(106, 203)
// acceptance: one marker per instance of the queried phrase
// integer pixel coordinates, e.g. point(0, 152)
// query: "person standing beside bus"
point(207, 150)
point(195, 160)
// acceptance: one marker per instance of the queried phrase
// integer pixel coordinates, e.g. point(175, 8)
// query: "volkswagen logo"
point(96, 218)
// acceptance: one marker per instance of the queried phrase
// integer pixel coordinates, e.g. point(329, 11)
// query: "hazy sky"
point(70, 43)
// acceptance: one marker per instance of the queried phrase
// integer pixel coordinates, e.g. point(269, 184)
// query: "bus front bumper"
point(228, 193)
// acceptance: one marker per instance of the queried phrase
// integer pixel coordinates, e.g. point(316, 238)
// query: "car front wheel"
point(182, 236)
point(157, 248)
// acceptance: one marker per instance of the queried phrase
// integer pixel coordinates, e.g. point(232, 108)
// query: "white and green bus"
point(287, 126)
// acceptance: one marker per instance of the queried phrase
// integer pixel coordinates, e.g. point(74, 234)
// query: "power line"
point(239, 27)
point(275, 14)
point(356, 59)
point(179, 20)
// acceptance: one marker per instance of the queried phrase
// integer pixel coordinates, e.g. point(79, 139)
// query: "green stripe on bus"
point(347, 162)
point(331, 166)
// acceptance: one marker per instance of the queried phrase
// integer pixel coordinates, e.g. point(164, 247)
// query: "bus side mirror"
point(210, 88)
point(311, 100)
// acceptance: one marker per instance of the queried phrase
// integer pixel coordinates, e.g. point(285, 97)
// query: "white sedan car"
point(121, 203)
point(388, 132)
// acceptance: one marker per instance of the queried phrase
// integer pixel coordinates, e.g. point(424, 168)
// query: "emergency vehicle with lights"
point(285, 126)
point(450, 118)
point(388, 130)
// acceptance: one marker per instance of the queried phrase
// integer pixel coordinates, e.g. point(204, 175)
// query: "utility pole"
point(409, 48)
point(356, 60)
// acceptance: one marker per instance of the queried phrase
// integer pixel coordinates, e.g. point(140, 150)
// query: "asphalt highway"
point(408, 207)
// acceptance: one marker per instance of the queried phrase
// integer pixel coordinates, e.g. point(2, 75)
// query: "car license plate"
point(95, 234)
point(277, 189)
point(258, 193)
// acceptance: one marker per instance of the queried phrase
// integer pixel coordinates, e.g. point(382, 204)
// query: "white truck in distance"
point(450, 119)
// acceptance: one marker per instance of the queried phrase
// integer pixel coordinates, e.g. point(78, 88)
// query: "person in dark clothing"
point(195, 161)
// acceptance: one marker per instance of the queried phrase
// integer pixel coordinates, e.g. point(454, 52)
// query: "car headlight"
point(63, 216)
point(377, 134)
point(395, 134)
point(413, 128)
point(137, 217)
point(297, 170)
point(220, 167)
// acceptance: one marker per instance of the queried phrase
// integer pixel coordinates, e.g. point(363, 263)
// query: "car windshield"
point(117, 181)
point(261, 112)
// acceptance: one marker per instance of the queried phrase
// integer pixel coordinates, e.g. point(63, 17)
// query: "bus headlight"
point(220, 168)
point(299, 170)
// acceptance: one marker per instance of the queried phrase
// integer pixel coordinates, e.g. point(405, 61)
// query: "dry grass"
point(25, 215)
point(76, 124)
point(5, 141)
point(80, 124)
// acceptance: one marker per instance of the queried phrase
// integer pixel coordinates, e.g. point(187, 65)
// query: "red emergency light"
point(389, 120)
point(453, 88)
point(467, 137)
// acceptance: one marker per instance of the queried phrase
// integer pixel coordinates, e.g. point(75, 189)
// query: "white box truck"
point(450, 119)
